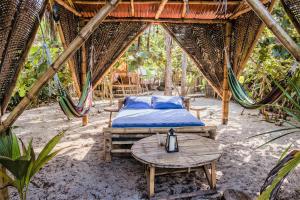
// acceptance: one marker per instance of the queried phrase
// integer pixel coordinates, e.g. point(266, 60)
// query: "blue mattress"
point(149, 118)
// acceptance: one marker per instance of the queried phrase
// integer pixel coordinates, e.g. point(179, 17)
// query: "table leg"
point(110, 116)
point(211, 175)
point(198, 114)
point(150, 175)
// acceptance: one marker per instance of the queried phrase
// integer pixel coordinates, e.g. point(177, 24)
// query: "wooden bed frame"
point(120, 140)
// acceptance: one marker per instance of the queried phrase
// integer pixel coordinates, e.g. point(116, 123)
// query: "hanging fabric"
point(241, 96)
point(66, 103)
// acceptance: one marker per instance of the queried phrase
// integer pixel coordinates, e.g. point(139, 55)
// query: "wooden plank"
point(187, 129)
point(120, 151)
point(123, 142)
point(207, 194)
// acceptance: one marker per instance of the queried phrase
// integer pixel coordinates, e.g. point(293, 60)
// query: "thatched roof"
point(198, 26)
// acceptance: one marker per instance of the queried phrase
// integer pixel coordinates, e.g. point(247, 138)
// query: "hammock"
point(241, 96)
point(66, 103)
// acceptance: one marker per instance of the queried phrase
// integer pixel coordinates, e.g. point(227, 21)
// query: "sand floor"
point(80, 173)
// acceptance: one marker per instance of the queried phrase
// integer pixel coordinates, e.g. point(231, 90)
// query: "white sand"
point(80, 173)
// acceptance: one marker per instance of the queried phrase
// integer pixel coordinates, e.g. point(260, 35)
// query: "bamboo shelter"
point(202, 28)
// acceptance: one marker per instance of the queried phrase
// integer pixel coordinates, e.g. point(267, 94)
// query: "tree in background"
point(183, 74)
point(168, 69)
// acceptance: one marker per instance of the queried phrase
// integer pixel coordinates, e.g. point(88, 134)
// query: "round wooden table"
point(194, 152)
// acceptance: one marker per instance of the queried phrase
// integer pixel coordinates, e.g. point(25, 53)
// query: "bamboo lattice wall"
point(18, 26)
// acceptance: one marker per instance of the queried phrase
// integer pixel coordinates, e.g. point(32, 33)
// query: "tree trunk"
point(183, 74)
point(148, 38)
point(168, 69)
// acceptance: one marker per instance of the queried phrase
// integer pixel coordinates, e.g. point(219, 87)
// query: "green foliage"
point(23, 165)
point(36, 65)
point(275, 178)
point(270, 60)
point(289, 162)
point(149, 53)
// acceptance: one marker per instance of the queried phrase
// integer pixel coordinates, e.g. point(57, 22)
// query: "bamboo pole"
point(259, 31)
point(54, 67)
point(143, 2)
point(85, 118)
point(71, 63)
point(132, 8)
point(226, 92)
point(183, 12)
point(161, 8)
point(276, 29)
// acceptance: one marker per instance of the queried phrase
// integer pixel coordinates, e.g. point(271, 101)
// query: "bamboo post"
point(84, 34)
point(85, 118)
point(276, 29)
point(226, 95)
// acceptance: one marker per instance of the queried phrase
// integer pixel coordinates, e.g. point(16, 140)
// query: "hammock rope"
point(69, 108)
point(242, 97)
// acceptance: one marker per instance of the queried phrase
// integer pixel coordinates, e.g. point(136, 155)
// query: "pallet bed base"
point(119, 140)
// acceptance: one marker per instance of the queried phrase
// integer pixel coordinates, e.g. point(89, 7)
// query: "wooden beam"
point(205, 2)
point(69, 8)
point(226, 92)
point(238, 12)
point(119, 56)
point(183, 12)
point(259, 31)
point(132, 8)
point(162, 20)
point(276, 29)
point(160, 8)
point(58, 63)
point(71, 63)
